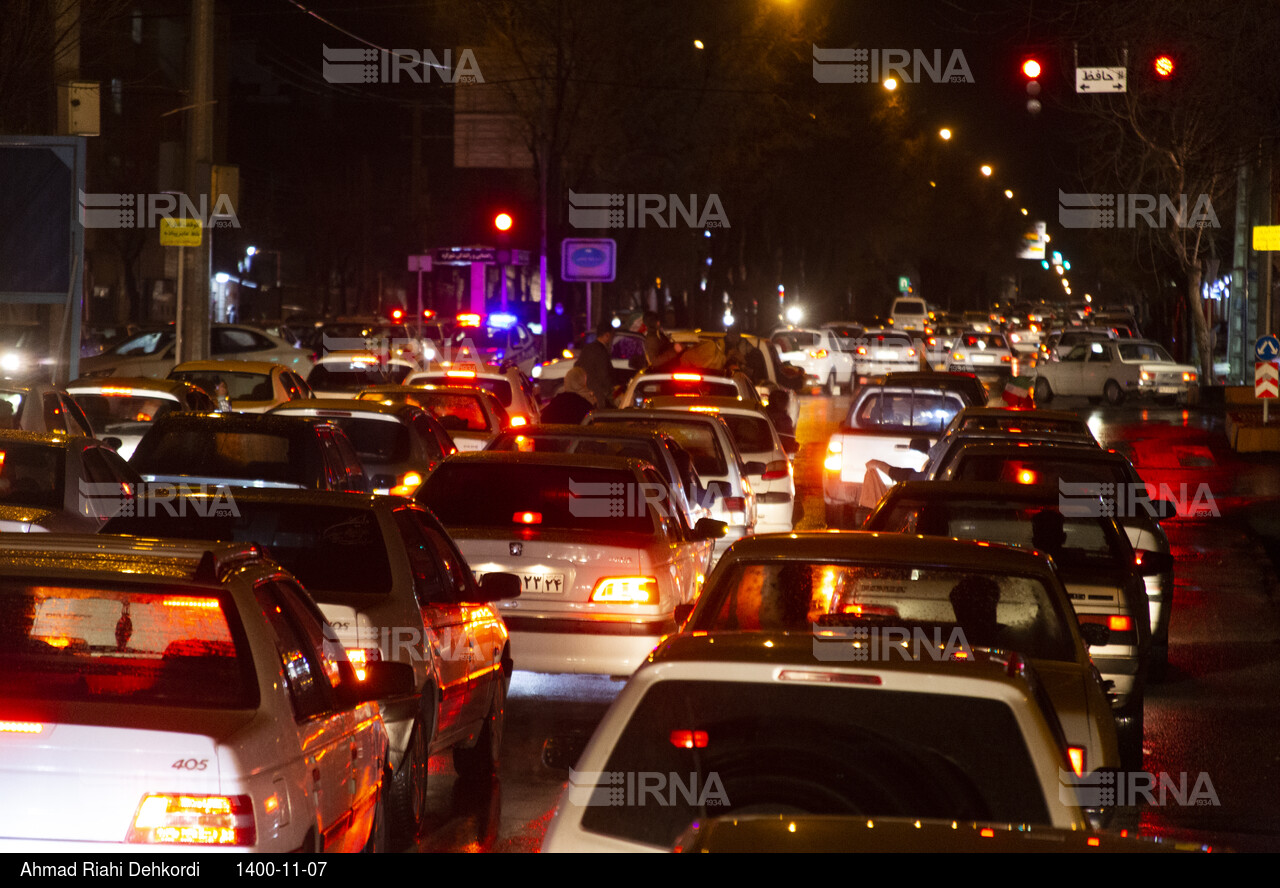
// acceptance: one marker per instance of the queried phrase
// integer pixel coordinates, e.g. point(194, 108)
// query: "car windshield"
point(176, 647)
point(144, 344)
point(328, 548)
point(499, 388)
point(1144, 351)
point(774, 747)
point(241, 386)
point(519, 497)
point(942, 607)
point(32, 475)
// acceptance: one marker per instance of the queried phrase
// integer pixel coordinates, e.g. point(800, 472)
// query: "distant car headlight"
point(11, 362)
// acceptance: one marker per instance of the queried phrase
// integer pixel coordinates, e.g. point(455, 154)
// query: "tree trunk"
point(1199, 327)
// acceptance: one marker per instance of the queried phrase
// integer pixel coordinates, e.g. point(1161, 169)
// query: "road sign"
point(465, 255)
point(1097, 80)
point(1266, 379)
point(1267, 349)
point(1266, 237)
point(180, 232)
point(904, 284)
point(588, 259)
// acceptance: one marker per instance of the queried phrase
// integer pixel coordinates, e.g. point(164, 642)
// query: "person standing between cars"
point(573, 403)
point(745, 356)
point(596, 360)
point(659, 349)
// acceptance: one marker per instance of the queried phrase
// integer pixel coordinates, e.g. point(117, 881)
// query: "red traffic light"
point(1163, 65)
point(503, 221)
point(1031, 69)
point(397, 314)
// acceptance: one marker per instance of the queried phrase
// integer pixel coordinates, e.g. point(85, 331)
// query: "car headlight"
point(11, 362)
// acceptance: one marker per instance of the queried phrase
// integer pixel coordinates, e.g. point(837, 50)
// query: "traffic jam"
point(655, 539)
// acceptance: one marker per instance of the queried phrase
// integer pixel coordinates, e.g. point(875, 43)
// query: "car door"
point(323, 731)
point(1067, 376)
point(444, 623)
point(1097, 368)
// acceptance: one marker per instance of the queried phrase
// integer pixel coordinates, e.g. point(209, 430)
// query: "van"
point(909, 313)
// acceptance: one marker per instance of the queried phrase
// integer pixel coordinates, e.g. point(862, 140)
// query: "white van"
point(909, 313)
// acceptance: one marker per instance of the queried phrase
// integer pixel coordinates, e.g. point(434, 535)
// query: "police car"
point(498, 339)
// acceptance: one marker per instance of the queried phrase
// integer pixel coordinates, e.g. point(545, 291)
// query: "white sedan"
point(604, 557)
point(1116, 369)
point(819, 353)
point(197, 701)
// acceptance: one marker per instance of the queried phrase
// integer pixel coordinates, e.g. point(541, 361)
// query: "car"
point(249, 450)
point(672, 461)
point(1013, 421)
point(819, 353)
point(41, 408)
point(60, 483)
point(395, 342)
point(472, 416)
point(510, 386)
point(396, 589)
point(1058, 343)
point(688, 383)
point(717, 459)
point(602, 556)
point(909, 313)
point(123, 409)
point(779, 384)
point(767, 461)
point(342, 374)
point(967, 385)
point(399, 444)
point(1092, 555)
point(220, 710)
point(882, 352)
point(249, 386)
point(153, 352)
point(1116, 370)
point(725, 723)
point(987, 355)
point(626, 353)
point(498, 339)
point(1091, 479)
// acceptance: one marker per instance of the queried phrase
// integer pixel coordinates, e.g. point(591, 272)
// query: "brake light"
point(820, 353)
point(468, 374)
point(957, 356)
point(987, 832)
point(625, 590)
point(566, 353)
point(828, 677)
point(112, 391)
point(862, 349)
point(527, 518)
point(1189, 377)
point(1093, 841)
point(174, 819)
point(687, 377)
point(689, 739)
point(517, 420)
point(1006, 358)
point(1076, 755)
point(362, 657)
point(1119, 623)
point(1026, 476)
point(408, 484)
point(779, 468)
point(735, 503)
point(911, 353)
point(468, 320)
point(16, 727)
point(190, 602)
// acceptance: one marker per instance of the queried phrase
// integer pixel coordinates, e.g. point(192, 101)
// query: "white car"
point(153, 352)
point(720, 723)
point(471, 416)
point(510, 386)
point(602, 555)
point(767, 464)
point(250, 386)
point(124, 408)
point(60, 483)
point(983, 354)
point(1117, 369)
point(343, 374)
point(196, 702)
point(881, 352)
point(780, 382)
point(626, 353)
point(819, 352)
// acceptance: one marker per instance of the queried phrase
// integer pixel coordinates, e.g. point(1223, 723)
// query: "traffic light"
point(503, 222)
point(1163, 66)
point(1031, 69)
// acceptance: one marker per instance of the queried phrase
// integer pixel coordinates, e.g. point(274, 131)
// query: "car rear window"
point(32, 475)
point(777, 748)
point(752, 434)
point(176, 647)
point(692, 385)
point(697, 438)
point(455, 413)
point(328, 548)
point(500, 388)
point(240, 386)
point(376, 440)
point(923, 412)
point(972, 466)
point(518, 496)
point(212, 453)
point(346, 377)
point(110, 409)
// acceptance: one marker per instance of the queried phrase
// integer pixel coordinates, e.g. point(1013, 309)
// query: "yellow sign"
point(1266, 237)
point(180, 232)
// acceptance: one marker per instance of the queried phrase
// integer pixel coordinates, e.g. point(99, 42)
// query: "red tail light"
point(689, 739)
point(779, 468)
point(1076, 755)
point(517, 420)
point(1119, 624)
point(527, 518)
point(174, 819)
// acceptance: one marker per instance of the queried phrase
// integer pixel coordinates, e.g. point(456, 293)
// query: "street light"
point(945, 133)
point(891, 83)
point(985, 169)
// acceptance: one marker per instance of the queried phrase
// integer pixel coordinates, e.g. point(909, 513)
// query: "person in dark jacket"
point(595, 358)
point(573, 403)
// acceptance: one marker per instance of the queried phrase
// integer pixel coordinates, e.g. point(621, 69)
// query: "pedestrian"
point(660, 350)
point(742, 355)
point(573, 403)
point(597, 361)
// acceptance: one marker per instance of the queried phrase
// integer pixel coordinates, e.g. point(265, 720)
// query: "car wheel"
point(832, 387)
point(480, 762)
point(1112, 392)
point(378, 839)
point(1129, 735)
point(1042, 393)
point(407, 801)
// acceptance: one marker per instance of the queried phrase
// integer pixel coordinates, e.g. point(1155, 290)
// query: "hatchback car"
point(396, 589)
point(471, 416)
point(220, 711)
point(603, 559)
point(61, 483)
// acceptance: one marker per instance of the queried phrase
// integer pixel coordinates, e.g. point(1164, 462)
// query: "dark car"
point(249, 450)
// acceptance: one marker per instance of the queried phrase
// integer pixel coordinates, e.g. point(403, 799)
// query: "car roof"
point(265, 422)
point(887, 549)
point(1015, 413)
point(543, 458)
point(264, 367)
point(156, 385)
point(590, 431)
point(712, 405)
point(49, 439)
point(396, 410)
point(201, 561)
point(978, 491)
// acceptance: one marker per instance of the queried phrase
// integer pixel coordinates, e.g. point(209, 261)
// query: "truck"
point(894, 423)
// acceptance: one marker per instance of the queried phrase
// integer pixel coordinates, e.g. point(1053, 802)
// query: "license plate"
point(983, 359)
point(544, 583)
point(886, 355)
point(1167, 390)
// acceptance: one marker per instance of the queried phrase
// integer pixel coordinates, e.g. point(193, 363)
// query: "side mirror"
point(920, 445)
point(382, 680)
point(1095, 634)
point(682, 614)
point(1151, 564)
point(499, 587)
point(709, 529)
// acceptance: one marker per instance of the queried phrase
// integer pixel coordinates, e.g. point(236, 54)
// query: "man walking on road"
point(595, 358)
